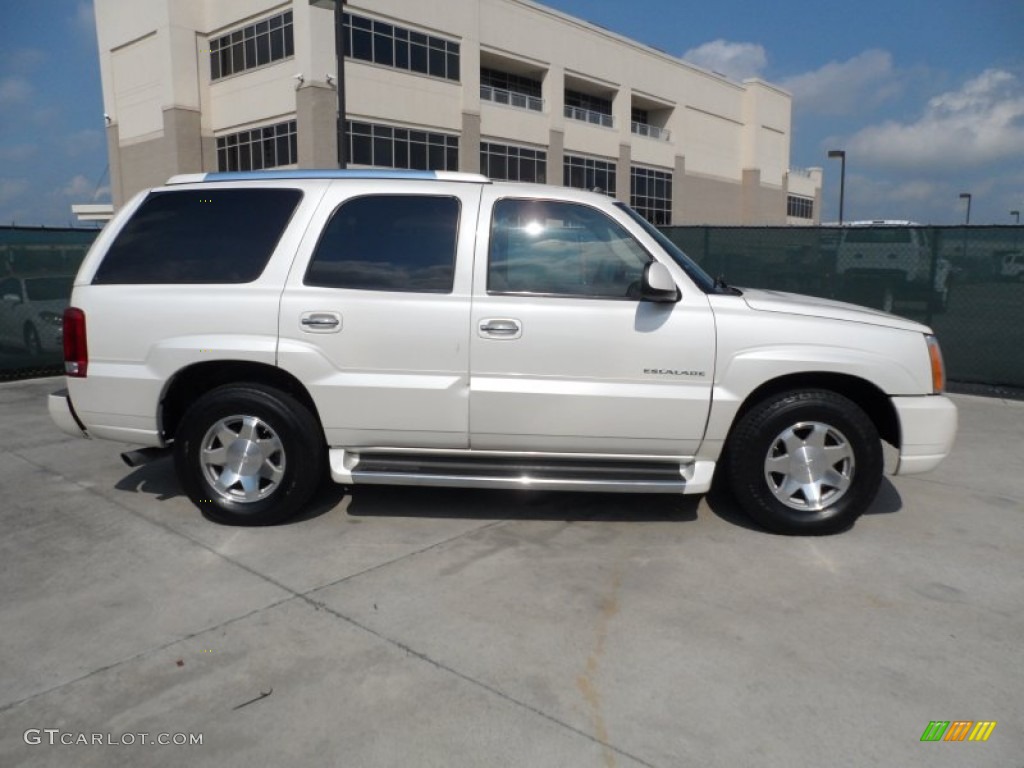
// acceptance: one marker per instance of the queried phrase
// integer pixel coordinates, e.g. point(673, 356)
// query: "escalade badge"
point(671, 372)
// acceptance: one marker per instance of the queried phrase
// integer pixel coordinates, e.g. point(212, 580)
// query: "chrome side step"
point(466, 469)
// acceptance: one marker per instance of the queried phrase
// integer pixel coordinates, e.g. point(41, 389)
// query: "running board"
point(469, 469)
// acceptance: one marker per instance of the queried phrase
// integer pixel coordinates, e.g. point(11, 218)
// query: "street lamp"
point(834, 153)
point(1016, 214)
point(338, 6)
point(967, 196)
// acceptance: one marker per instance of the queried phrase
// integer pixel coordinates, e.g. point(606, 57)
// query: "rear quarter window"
point(199, 236)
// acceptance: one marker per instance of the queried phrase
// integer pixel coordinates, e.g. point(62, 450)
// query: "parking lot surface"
point(406, 627)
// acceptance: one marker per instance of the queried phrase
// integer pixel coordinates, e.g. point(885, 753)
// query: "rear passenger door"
point(375, 315)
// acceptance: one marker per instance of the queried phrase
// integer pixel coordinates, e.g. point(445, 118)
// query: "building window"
point(389, 243)
point(588, 108)
point(500, 161)
point(252, 46)
point(641, 116)
point(588, 173)
point(650, 195)
point(513, 90)
point(266, 147)
point(800, 207)
point(384, 146)
point(401, 48)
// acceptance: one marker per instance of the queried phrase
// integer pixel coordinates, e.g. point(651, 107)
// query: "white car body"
point(420, 373)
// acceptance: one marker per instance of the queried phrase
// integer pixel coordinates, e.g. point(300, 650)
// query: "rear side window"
point(199, 236)
point(389, 243)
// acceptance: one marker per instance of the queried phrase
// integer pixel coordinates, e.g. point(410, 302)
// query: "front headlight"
point(938, 367)
point(51, 318)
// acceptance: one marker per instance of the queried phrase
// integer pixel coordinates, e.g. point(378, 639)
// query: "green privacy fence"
point(37, 265)
point(965, 282)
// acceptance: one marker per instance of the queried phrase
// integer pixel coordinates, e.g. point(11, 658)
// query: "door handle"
point(322, 322)
point(500, 328)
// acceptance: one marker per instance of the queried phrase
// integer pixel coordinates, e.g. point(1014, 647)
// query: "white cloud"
point(24, 59)
point(14, 90)
point(80, 188)
point(845, 87)
point(734, 60)
point(84, 20)
point(980, 124)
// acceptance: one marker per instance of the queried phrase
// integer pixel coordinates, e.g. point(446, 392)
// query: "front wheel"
point(805, 462)
point(249, 455)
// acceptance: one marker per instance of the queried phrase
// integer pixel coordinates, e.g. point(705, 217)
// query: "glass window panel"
point(362, 45)
point(263, 49)
point(418, 58)
point(276, 44)
point(389, 243)
point(383, 50)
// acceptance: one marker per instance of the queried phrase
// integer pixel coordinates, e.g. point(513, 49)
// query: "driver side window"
point(562, 249)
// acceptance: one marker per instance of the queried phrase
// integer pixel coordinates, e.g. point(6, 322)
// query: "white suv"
point(439, 329)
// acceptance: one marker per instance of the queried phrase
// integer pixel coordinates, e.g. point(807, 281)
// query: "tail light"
point(76, 353)
point(938, 367)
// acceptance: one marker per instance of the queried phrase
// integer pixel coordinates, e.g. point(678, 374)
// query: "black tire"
point(784, 432)
point(273, 443)
point(32, 343)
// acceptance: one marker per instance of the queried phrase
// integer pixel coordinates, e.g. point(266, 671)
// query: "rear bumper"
point(63, 414)
point(927, 428)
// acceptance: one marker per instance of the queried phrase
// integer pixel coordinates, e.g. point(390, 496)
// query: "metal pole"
point(841, 154)
point(339, 48)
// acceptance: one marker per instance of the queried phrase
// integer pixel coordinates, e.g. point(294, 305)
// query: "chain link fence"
point(965, 282)
point(37, 266)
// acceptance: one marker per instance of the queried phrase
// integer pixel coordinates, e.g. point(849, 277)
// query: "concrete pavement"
point(468, 628)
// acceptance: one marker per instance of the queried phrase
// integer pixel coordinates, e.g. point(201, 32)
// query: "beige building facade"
point(509, 88)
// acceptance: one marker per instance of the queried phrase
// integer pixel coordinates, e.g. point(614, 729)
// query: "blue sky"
point(927, 98)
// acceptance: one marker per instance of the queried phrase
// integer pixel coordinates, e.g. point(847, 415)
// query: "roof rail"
point(325, 173)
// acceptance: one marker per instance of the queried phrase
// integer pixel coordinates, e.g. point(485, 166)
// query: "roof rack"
point(325, 173)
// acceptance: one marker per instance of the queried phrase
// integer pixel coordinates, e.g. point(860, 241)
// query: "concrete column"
point(183, 135)
point(678, 191)
point(556, 157)
point(316, 125)
point(553, 91)
point(622, 174)
point(750, 198)
point(469, 143)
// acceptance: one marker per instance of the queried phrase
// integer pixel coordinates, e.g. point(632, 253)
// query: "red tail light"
point(76, 353)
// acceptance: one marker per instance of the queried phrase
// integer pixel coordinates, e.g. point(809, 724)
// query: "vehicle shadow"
point(473, 504)
point(159, 480)
point(723, 503)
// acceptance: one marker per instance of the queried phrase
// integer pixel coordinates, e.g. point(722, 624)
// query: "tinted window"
point(562, 249)
point(199, 236)
point(389, 243)
point(48, 288)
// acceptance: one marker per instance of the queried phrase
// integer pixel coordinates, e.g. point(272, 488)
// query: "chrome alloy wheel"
point(809, 466)
point(242, 459)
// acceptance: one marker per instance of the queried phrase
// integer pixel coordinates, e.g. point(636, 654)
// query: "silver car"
point(31, 310)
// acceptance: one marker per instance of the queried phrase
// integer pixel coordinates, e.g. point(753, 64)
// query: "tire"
point(32, 342)
point(814, 435)
point(247, 454)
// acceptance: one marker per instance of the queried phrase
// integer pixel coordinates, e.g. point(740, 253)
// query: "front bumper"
point(927, 428)
point(63, 414)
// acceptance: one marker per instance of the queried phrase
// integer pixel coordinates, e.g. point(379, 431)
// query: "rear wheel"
point(249, 455)
point(805, 462)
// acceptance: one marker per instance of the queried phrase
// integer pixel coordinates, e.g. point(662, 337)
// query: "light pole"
point(338, 6)
point(967, 196)
point(841, 154)
point(1016, 214)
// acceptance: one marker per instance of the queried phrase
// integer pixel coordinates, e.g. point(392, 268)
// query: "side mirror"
point(658, 285)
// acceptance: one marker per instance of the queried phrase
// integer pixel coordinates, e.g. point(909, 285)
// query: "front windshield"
point(703, 280)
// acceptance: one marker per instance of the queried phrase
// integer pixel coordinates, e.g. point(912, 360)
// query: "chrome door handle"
point(321, 321)
point(501, 327)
